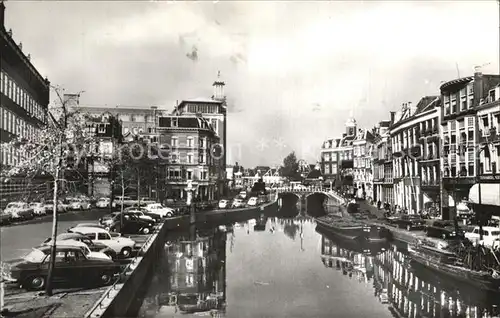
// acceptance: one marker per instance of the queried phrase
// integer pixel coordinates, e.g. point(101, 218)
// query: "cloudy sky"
point(294, 71)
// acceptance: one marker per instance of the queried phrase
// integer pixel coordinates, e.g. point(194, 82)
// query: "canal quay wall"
point(123, 299)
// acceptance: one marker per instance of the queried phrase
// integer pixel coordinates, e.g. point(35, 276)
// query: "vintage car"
point(61, 207)
point(253, 201)
point(159, 209)
point(38, 208)
point(93, 246)
point(108, 219)
point(19, 211)
point(132, 224)
point(85, 249)
point(444, 229)
point(121, 245)
point(90, 225)
point(71, 266)
point(238, 203)
point(5, 218)
point(103, 203)
point(410, 222)
point(223, 204)
point(79, 204)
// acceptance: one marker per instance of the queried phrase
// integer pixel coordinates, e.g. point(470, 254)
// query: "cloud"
point(278, 59)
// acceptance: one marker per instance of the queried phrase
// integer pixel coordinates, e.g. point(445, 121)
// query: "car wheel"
point(126, 252)
point(106, 278)
point(408, 227)
point(35, 283)
point(169, 215)
point(443, 236)
point(146, 230)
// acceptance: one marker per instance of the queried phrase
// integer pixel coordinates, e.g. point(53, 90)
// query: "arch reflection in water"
point(191, 277)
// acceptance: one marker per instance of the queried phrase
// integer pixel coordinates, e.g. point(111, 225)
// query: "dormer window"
point(101, 128)
point(174, 122)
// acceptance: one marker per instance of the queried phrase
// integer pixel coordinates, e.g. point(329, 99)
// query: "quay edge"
point(123, 300)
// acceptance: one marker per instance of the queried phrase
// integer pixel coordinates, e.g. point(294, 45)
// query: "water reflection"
point(191, 278)
point(410, 291)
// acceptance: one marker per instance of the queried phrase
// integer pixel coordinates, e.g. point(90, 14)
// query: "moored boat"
point(448, 264)
point(351, 230)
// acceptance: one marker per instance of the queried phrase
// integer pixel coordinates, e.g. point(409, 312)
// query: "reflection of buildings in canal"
point(351, 263)
point(411, 296)
point(191, 278)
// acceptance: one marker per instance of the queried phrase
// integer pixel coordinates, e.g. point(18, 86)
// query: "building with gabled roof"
point(362, 163)
point(336, 161)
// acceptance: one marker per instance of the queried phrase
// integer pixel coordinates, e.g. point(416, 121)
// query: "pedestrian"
point(379, 204)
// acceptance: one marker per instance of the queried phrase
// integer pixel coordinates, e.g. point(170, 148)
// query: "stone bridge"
point(304, 192)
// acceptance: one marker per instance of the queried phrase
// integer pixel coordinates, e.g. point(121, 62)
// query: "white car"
point(243, 194)
point(79, 204)
point(238, 203)
point(85, 249)
point(19, 211)
point(223, 204)
point(157, 208)
point(61, 207)
point(104, 203)
point(121, 245)
point(38, 208)
point(490, 235)
point(252, 201)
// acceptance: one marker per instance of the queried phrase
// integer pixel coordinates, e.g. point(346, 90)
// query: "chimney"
point(28, 57)
point(478, 85)
point(2, 15)
point(393, 115)
point(10, 32)
point(21, 46)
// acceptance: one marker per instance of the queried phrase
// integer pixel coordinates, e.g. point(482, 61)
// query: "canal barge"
point(361, 247)
point(447, 263)
point(352, 230)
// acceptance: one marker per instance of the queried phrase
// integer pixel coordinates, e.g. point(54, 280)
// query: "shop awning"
point(490, 194)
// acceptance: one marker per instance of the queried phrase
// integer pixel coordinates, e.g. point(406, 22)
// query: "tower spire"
point(218, 88)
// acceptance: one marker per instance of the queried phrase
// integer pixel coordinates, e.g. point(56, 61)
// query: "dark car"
point(93, 245)
point(444, 229)
point(71, 266)
point(143, 212)
point(132, 225)
point(410, 222)
point(5, 218)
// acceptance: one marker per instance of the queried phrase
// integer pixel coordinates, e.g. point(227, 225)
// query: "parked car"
point(443, 229)
point(93, 246)
point(108, 219)
point(156, 217)
point(252, 201)
point(5, 218)
point(146, 216)
point(410, 222)
point(223, 204)
point(38, 208)
point(132, 225)
point(61, 207)
point(163, 211)
point(85, 249)
point(490, 235)
point(19, 211)
point(243, 194)
point(79, 204)
point(121, 245)
point(96, 225)
point(72, 266)
point(103, 203)
point(238, 203)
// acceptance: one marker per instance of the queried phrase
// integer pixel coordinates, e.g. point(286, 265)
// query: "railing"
point(108, 295)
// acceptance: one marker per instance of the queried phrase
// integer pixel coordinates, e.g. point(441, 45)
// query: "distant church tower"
point(218, 89)
point(351, 126)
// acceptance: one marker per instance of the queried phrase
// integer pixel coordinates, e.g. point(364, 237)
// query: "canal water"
point(284, 267)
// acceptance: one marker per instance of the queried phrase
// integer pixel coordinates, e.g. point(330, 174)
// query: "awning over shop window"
point(490, 194)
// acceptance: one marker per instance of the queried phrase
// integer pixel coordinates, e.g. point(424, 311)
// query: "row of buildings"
point(431, 155)
point(193, 133)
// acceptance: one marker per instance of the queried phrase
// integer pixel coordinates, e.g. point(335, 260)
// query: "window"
point(174, 157)
point(101, 128)
point(103, 236)
point(175, 142)
point(189, 174)
point(189, 158)
point(174, 122)
point(132, 117)
point(214, 124)
point(190, 142)
point(202, 158)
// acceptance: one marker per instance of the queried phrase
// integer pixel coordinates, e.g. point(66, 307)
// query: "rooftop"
point(185, 122)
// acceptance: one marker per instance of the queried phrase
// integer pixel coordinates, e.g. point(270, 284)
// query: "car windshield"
point(35, 256)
